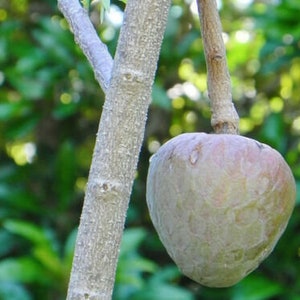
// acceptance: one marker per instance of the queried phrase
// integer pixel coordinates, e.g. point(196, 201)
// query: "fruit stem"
point(224, 117)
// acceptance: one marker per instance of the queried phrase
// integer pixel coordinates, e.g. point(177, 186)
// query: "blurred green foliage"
point(50, 105)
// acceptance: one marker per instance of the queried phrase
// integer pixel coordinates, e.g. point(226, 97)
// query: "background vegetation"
point(50, 106)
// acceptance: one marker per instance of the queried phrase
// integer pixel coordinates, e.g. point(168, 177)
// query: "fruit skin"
point(219, 204)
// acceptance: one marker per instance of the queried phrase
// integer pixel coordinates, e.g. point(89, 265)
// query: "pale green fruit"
point(219, 204)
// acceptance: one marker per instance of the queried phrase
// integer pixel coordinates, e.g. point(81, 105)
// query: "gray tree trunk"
point(118, 141)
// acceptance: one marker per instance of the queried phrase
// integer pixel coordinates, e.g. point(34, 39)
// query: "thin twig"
point(88, 40)
point(224, 116)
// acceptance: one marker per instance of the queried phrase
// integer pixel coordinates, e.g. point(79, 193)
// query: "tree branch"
point(117, 148)
point(224, 116)
point(88, 40)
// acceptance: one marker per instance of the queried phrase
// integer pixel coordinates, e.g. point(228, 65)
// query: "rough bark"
point(117, 148)
point(224, 117)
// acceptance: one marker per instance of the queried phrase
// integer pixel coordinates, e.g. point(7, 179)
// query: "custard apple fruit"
point(219, 204)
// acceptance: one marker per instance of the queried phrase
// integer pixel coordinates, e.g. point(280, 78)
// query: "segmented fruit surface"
point(219, 204)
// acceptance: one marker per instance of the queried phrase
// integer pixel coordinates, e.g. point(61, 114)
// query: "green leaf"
point(10, 110)
point(12, 290)
point(29, 87)
point(23, 269)
point(27, 230)
point(6, 243)
point(22, 127)
point(163, 292)
point(273, 132)
point(167, 274)
point(131, 240)
point(49, 259)
point(44, 250)
point(19, 199)
point(63, 111)
point(256, 288)
point(130, 270)
point(160, 98)
point(131, 265)
point(65, 173)
point(5, 190)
